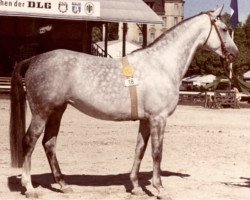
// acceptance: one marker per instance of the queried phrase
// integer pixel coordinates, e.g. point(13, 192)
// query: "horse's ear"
point(217, 12)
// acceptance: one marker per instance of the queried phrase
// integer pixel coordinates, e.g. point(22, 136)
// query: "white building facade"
point(174, 13)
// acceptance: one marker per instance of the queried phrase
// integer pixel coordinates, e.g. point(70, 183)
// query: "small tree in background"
point(112, 32)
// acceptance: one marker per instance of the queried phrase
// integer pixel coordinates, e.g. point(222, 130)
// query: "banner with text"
point(46, 8)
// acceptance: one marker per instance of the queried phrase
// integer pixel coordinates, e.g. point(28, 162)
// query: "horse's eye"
point(224, 29)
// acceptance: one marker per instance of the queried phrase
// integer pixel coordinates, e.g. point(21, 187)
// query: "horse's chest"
point(161, 97)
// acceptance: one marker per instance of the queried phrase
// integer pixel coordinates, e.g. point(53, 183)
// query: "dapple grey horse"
point(95, 86)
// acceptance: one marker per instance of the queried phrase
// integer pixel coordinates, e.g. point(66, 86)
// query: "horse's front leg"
point(142, 140)
point(157, 127)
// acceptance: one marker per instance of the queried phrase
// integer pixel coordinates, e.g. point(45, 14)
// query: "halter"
point(225, 52)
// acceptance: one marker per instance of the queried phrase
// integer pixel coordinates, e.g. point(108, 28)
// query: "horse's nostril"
point(232, 57)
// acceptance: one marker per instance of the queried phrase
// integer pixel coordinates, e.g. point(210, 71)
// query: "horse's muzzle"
point(231, 56)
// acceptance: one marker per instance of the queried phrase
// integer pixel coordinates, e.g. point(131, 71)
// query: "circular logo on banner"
point(63, 7)
point(89, 8)
point(76, 7)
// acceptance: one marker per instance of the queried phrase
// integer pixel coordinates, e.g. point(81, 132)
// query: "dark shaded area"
point(45, 180)
point(245, 183)
point(22, 38)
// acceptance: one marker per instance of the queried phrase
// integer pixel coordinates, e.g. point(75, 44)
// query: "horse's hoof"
point(67, 190)
point(137, 191)
point(163, 196)
point(31, 195)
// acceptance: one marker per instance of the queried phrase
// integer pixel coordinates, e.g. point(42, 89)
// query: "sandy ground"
point(206, 157)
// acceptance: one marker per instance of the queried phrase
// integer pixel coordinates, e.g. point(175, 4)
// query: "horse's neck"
point(176, 49)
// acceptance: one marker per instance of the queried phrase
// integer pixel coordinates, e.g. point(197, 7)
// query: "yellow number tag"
point(128, 71)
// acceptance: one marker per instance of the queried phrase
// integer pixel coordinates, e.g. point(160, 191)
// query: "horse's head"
point(218, 39)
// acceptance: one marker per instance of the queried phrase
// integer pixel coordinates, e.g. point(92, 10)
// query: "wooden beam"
point(89, 37)
point(124, 33)
point(106, 39)
point(145, 36)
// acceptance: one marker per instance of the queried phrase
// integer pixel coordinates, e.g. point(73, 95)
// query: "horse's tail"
point(17, 113)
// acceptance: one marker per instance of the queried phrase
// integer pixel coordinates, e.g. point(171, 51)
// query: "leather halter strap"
point(133, 94)
point(223, 47)
point(209, 30)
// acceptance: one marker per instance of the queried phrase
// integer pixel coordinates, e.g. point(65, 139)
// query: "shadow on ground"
point(245, 183)
point(45, 180)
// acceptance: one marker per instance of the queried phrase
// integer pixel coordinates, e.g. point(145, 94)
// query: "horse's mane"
point(169, 30)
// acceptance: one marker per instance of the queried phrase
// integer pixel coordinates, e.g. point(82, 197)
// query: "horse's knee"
point(49, 145)
point(157, 155)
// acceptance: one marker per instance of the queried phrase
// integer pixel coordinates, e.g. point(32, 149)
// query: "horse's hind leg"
point(142, 140)
point(34, 131)
point(49, 144)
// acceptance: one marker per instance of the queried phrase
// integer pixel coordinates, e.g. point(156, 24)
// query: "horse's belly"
point(102, 110)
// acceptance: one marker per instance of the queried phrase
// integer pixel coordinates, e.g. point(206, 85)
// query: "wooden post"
point(84, 36)
point(89, 36)
point(231, 67)
point(124, 33)
point(106, 39)
point(144, 36)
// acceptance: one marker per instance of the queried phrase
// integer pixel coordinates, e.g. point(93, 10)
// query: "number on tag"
point(131, 81)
